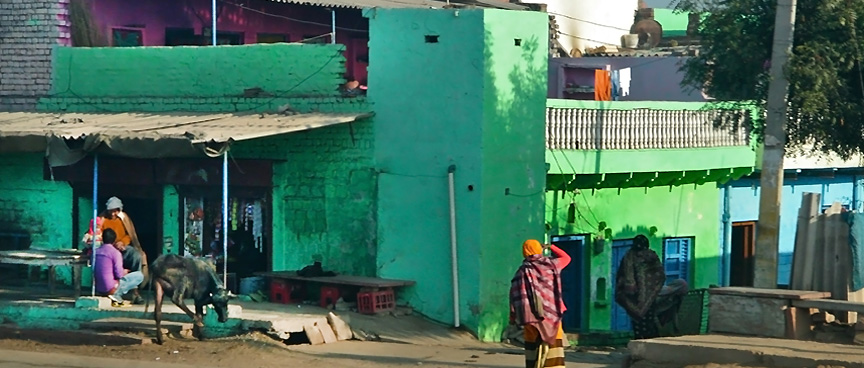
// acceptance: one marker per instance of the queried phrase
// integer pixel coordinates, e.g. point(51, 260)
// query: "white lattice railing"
point(592, 129)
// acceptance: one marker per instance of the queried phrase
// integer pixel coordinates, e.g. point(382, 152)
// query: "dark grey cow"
point(183, 278)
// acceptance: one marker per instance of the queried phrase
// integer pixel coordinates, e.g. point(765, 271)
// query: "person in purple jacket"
point(111, 279)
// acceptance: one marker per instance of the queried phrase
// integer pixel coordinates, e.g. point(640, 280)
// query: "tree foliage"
point(826, 90)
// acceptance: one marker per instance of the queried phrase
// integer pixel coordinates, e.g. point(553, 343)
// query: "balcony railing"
point(596, 129)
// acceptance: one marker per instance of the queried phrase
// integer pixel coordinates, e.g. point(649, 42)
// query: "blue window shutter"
point(676, 258)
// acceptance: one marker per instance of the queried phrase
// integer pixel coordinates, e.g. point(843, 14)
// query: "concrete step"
point(744, 351)
point(139, 326)
point(78, 337)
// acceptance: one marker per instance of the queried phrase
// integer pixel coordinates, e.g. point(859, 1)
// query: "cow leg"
point(158, 311)
point(177, 298)
point(199, 315)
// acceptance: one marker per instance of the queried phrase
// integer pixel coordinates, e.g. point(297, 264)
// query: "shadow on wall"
point(514, 152)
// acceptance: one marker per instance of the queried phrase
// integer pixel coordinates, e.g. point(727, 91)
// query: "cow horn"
point(232, 295)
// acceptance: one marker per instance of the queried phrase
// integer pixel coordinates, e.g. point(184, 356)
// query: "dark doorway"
point(742, 252)
point(146, 215)
point(620, 318)
point(143, 204)
point(572, 280)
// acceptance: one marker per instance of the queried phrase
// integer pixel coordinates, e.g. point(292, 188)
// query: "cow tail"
point(147, 298)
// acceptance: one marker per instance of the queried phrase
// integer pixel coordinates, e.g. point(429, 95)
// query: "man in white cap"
point(134, 258)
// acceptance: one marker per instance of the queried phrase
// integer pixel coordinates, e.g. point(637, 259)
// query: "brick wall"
point(31, 205)
point(324, 197)
point(30, 30)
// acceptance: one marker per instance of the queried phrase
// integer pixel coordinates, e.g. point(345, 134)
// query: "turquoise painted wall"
point(744, 206)
point(282, 70)
point(681, 211)
point(480, 109)
point(31, 205)
point(171, 220)
point(324, 196)
point(324, 185)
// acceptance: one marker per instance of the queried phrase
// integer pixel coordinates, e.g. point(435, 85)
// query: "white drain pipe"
point(454, 254)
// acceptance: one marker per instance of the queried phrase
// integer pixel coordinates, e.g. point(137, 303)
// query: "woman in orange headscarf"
point(536, 304)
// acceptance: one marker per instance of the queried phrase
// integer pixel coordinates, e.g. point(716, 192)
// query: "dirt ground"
point(258, 350)
point(261, 351)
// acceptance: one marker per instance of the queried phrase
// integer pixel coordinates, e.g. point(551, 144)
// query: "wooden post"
point(805, 237)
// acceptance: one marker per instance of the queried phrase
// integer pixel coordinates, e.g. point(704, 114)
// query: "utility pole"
point(771, 178)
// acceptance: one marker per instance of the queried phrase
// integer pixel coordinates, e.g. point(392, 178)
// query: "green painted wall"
point(513, 146)
point(682, 211)
point(674, 23)
point(480, 112)
point(324, 197)
point(282, 70)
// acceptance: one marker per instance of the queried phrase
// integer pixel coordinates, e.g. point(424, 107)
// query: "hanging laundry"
point(234, 214)
point(257, 226)
point(602, 85)
point(624, 76)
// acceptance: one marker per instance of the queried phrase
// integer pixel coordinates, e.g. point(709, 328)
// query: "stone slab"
point(830, 305)
point(770, 293)
point(137, 326)
point(745, 315)
point(327, 333)
point(744, 351)
point(340, 327)
point(93, 302)
point(313, 334)
point(80, 337)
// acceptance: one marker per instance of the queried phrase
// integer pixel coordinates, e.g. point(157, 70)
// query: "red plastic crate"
point(280, 292)
point(376, 301)
point(329, 296)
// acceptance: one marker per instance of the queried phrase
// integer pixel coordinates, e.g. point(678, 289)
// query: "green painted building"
point(620, 169)
point(365, 197)
point(453, 91)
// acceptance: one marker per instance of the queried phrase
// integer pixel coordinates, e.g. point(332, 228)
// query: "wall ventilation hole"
point(517, 41)
point(431, 38)
point(470, 188)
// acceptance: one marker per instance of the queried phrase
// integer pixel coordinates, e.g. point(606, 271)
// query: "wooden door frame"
point(752, 224)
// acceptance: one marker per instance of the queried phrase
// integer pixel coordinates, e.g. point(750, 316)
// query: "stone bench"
point(761, 312)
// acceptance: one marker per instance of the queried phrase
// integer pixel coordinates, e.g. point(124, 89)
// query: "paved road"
point(24, 359)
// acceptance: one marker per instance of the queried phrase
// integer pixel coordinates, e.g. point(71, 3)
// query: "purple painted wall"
point(652, 78)
point(245, 20)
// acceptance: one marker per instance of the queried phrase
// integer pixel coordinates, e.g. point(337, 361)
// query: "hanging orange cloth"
point(602, 85)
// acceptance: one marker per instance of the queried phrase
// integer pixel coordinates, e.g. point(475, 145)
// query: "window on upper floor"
point(127, 37)
point(272, 38)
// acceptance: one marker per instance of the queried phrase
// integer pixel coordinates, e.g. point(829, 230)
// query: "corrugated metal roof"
point(147, 135)
point(427, 4)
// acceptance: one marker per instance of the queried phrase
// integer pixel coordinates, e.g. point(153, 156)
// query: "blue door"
point(572, 280)
point(620, 319)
